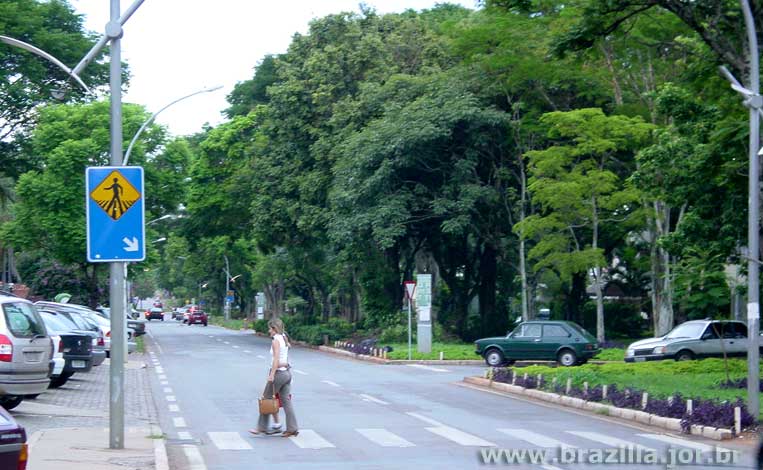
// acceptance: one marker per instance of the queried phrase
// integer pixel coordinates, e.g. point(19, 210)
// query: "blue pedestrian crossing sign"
point(114, 201)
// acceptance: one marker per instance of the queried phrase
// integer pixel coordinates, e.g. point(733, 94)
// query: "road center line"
point(333, 384)
point(373, 399)
point(247, 351)
point(422, 366)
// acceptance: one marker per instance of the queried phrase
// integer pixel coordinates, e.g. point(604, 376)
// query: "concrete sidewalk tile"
point(66, 448)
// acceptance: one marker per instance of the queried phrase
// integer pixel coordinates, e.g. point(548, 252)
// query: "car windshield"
point(686, 330)
point(56, 323)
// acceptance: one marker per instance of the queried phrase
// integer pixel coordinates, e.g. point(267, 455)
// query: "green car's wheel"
point(566, 358)
point(494, 357)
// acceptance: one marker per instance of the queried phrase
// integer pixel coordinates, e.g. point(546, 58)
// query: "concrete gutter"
point(670, 424)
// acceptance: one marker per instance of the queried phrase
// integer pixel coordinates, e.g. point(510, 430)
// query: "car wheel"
point(162, 318)
point(684, 355)
point(148, 319)
point(494, 357)
point(31, 397)
point(566, 358)
point(58, 382)
point(10, 402)
point(205, 323)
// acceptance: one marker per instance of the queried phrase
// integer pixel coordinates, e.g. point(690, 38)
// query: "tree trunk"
point(606, 50)
point(493, 321)
point(597, 276)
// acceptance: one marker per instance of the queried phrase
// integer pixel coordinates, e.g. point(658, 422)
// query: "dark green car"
point(562, 341)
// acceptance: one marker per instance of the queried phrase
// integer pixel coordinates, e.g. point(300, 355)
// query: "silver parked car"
point(26, 351)
point(693, 340)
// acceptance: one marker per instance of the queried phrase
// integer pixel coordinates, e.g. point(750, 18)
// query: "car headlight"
point(660, 350)
point(629, 353)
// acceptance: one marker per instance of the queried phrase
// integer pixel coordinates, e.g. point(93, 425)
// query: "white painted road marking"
point(179, 422)
point(309, 439)
point(370, 398)
point(333, 384)
point(684, 443)
point(159, 370)
point(162, 377)
point(167, 390)
point(534, 438)
point(384, 438)
point(300, 372)
point(173, 408)
point(247, 351)
point(460, 437)
point(235, 346)
point(171, 398)
point(425, 419)
point(422, 366)
point(184, 436)
point(195, 460)
point(260, 356)
point(608, 440)
point(228, 441)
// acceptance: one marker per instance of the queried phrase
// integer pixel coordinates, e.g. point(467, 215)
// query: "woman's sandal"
point(290, 434)
point(255, 432)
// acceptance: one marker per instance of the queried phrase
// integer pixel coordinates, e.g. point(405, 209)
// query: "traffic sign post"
point(410, 289)
point(115, 214)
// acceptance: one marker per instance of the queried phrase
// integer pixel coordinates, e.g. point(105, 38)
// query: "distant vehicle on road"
point(14, 453)
point(178, 313)
point(26, 351)
point(693, 339)
point(562, 341)
point(154, 313)
point(197, 316)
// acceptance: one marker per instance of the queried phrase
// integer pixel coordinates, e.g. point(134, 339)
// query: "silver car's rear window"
point(22, 320)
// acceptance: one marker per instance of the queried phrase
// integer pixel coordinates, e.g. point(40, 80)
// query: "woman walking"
point(279, 379)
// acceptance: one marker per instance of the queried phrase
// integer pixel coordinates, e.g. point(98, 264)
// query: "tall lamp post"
point(754, 101)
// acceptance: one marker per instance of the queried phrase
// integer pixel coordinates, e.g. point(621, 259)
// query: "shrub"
point(260, 326)
point(395, 334)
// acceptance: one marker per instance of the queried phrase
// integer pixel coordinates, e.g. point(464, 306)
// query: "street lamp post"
point(754, 101)
point(227, 288)
point(151, 119)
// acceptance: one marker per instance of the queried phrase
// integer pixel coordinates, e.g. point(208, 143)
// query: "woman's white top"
point(283, 351)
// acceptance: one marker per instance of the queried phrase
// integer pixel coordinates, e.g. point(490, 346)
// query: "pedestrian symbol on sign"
point(115, 195)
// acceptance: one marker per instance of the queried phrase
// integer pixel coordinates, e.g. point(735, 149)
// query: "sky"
point(178, 47)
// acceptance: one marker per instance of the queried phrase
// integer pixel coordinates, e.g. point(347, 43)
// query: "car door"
point(553, 337)
point(524, 343)
point(32, 348)
point(709, 344)
point(735, 338)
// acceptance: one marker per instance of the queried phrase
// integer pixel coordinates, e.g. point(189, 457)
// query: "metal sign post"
point(424, 312)
point(410, 289)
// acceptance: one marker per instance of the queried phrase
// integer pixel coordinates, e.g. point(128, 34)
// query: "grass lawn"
point(610, 354)
point(451, 351)
point(140, 345)
point(230, 324)
point(692, 379)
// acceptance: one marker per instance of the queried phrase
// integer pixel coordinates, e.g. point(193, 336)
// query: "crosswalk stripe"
point(684, 443)
point(608, 440)
point(167, 390)
point(184, 435)
point(194, 457)
point(424, 418)
point(309, 439)
point(384, 438)
point(228, 441)
point(179, 422)
point(173, 408)
point(247, 351)
point(460, 437)
point(534, 438)
point(171, 398)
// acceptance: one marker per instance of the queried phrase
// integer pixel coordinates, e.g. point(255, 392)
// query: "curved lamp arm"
point(151, 119)
point(45, 55)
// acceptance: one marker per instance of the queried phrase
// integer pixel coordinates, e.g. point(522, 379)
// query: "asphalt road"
point(355, 415)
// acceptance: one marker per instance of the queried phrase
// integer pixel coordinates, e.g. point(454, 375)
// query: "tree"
point(579, 184)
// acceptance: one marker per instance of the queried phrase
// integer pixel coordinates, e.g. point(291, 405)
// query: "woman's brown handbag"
point(268, 406)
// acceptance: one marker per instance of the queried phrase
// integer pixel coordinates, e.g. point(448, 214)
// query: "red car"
point(14, 452)
point(197, 316)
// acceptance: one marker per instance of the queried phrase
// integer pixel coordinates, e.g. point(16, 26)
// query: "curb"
point(161, 462)
point(670, 424)
point(379, 360)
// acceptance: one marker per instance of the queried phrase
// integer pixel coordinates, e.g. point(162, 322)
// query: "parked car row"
point(44, 344)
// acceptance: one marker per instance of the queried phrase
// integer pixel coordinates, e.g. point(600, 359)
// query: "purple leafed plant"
point(675, 408)
point(715, 414)
point(502, 374)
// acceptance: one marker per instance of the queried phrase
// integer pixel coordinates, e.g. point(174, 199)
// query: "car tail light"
point(60, 345)
point(101, 342)
point(6, 349)
point(108, 333)
point(23, 456)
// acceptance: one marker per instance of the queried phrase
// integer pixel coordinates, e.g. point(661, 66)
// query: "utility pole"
point(227, 288)
point(754, 101)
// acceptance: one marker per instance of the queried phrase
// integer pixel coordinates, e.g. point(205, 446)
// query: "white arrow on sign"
point(131, 245)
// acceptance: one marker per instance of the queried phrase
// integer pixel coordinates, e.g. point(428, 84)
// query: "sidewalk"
point(69, 427)
point(67, 448)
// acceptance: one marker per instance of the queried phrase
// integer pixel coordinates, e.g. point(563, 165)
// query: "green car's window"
point(529, 331)
point(554, 331)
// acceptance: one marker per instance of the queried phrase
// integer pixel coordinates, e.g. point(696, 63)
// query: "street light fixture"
point(151, 119)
